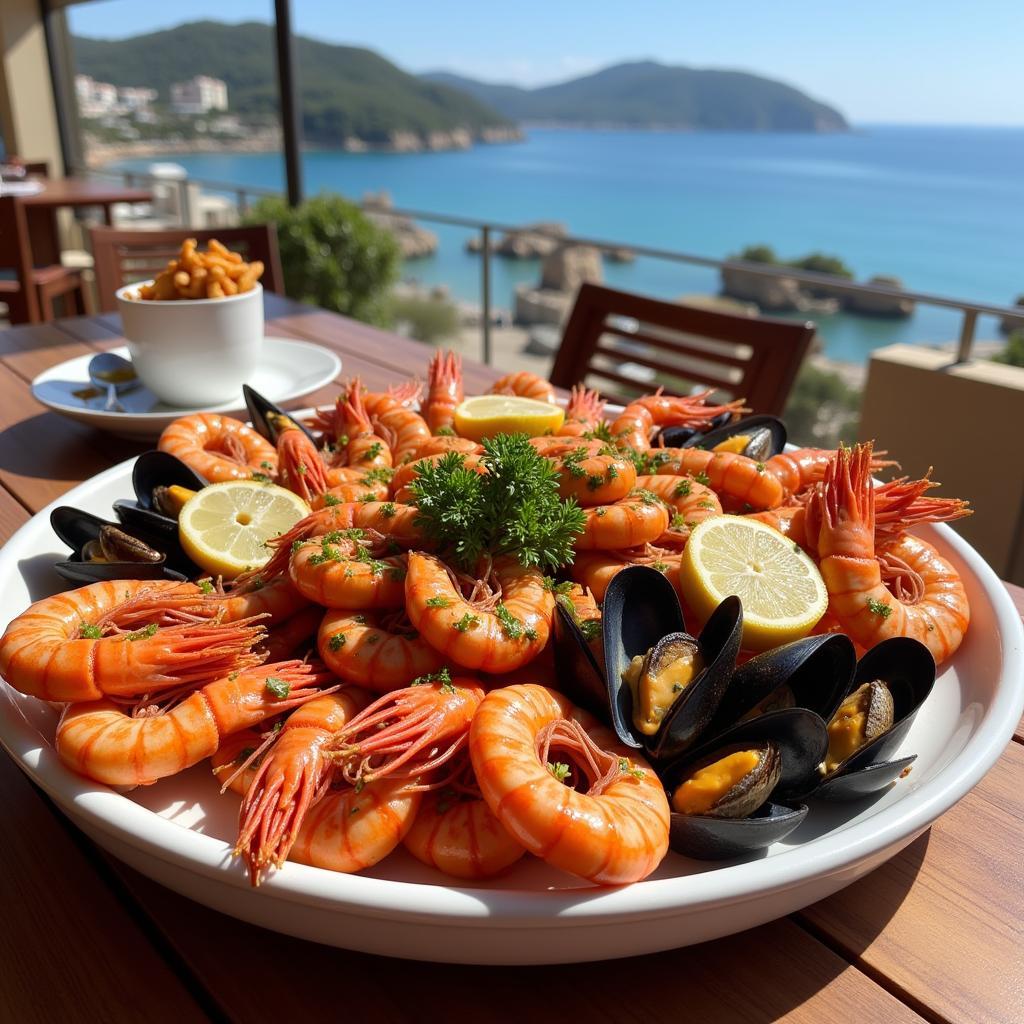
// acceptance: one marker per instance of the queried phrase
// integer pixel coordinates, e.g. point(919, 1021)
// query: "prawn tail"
point(300, 465)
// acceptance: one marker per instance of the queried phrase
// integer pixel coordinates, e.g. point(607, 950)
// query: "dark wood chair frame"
point(30, 295)
point(777, 348)
point(121, 256)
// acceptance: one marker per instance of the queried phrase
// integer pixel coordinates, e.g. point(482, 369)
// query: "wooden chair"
point(626, 345)
point(122, 256)
point(29, 291)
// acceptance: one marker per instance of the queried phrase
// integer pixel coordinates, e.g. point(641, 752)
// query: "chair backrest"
point(37, 168)
point(122, 256)
point(625, 345)
point(16, 256)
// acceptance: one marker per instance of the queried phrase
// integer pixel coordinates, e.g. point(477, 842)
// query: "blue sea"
point(940, 207)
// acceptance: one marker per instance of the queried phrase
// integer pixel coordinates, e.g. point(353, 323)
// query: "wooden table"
point(41, 209)
point(933, 935)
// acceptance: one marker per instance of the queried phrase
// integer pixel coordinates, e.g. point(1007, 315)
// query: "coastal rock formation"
point(414, 241)
point(879, 305)
point(562, 273)
point(525, 243)
point(773, 294)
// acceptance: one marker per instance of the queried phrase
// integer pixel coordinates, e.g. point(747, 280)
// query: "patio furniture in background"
point(122, 256)
point(28, 288)
point(626, 345)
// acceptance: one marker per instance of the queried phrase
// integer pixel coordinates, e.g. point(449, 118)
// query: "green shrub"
point(1013, 353)
point(822, 409)
point(333, 256)
point(758, 254)
point(819, 263)
point(428, 319)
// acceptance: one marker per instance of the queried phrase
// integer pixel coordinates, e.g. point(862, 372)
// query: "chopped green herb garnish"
point(372, 452)
point(444, 677)
point(510, 625)
point(445, 432)
point(89, 632)
point(143, 634)
point(682, 489)
point(206, 586)
point(261, 478)
point(438, 602)
point(277, 687)
point(702, 478)
point(331, 499)
point(336, 642)
point(388, 509)
point(879, 608)
point(466, 622)
point(627, 769)
point(559, 769)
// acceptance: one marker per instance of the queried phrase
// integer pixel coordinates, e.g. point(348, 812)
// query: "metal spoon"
point(114, 375)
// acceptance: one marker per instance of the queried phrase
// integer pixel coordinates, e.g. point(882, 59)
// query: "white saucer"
point(288, 369)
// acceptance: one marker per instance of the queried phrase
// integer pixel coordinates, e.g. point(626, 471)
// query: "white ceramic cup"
point(192, 352)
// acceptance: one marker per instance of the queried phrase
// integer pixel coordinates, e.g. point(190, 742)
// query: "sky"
point(878, 61)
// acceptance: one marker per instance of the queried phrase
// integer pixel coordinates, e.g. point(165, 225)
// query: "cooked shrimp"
point(405, 475)
point(584, 412)
point(101, 740)
point(529, 747)
point(218, 448)
point(352, 829)
point(457, 833)
point(122, 638)
point(728, 474)
point(926, 599)
point(407, 733)
point(690, 503)
point(797, 470)
point(300, 466)
point(592, 479)
point(444, 380)
point(524, 384)
point(504, 629)
point(402, 428)
point(635, 424)
point(346, 492)
point(339, 572)
point(294, 638)
point(274, 599)
point(382, 652)
point(386, 521)
point(638, 518)
point(364, 449)
point(448, 443)
point(290, 778)
point(596, 569)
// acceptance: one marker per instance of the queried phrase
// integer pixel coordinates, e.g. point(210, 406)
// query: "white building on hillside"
point(100, 99)
point(199, 95)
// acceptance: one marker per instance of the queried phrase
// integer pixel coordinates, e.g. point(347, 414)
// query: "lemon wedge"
point(781, 588)
point(224, 527)
point(487, 415)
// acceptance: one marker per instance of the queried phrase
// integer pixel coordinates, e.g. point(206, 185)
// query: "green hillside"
point(346, 91)
point(646, 94)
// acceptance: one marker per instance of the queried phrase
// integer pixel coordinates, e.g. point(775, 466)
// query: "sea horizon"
point(939, 206)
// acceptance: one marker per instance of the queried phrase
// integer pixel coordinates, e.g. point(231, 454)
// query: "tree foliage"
point(822, 409)
point(333, 255)
point(1013, 353)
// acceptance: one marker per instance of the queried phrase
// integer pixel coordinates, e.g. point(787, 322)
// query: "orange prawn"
point(797, 470)
point(103, 741)
point(584, 412)
point(636, 423)
point(122, 638)
point(526, 743)
point(218, 447)
point(689, 503)
point(504, 624)
point(524, 384)
point(444, 380)
point(596, 569)
point(378, 651)
point(925, 598)
point(728, 474)
point(592, 479)
point(638, 518)
point(339, 572)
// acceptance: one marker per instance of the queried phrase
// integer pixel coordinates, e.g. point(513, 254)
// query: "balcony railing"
point(969, 310)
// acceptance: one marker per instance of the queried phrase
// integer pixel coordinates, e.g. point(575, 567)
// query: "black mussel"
point(757, 437)
point(155, 507)
point(676, 437)
point(105, 551)
point(663, 684)
point(269, 419)
point(729, 796)
point(578, 661)
point(814, 673)
point(890, 684)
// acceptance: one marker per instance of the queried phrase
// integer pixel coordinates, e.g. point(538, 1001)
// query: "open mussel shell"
point(767, 436)
point(82, 531)
point(263, 415)
point(640, 612)
point(815, 673)
point(676, 437)
point(153, 470)
point(907, 668)
point(577, 669)
point(797, 738)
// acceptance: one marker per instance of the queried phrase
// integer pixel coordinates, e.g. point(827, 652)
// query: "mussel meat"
point(732, 783)
point(114, 545)
point(862, 717)
point(657, 678)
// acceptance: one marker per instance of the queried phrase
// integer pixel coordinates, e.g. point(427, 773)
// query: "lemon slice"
point(782, 591)
point(487, 415)
point(224, 527)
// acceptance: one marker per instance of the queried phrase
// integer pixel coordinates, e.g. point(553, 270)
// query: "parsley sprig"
point(512, 508)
